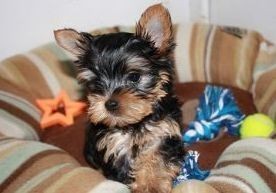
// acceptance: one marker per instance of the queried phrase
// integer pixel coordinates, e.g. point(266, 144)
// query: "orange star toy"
point(60, 110)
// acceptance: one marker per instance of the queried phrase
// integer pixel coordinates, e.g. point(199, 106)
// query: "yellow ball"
point(257, 125)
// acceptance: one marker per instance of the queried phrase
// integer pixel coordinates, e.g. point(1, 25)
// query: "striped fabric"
point(41, 73)
point(205, 53)
point(264, 85)
point(247, 166)
point(28, 166)
point(229, 56)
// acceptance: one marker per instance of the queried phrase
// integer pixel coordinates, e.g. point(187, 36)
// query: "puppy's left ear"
point(74, 42)
point(155, 24)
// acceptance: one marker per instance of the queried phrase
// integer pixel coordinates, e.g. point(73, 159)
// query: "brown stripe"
point(24, 167)
point(16, 90)
point(228, 52)
point(192, 50)
point(268, 175)
point(264, 172)
point(262, 82)
point(225, 187)
point(222, 60)
point(31, 78)
point(52, 179)
point(237, 178)
point(197, 51)
point(89, 179)
point(40, 165)
point(21, 115)
point(244, 152)
point(60, 70)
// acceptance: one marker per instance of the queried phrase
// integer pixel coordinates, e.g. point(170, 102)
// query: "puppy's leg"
point(153, 174)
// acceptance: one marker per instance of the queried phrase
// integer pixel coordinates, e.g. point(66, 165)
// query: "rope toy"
point(190, 169)
point(217, 108)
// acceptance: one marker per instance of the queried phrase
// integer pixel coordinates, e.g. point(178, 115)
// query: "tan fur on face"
point(157, 92)
point(131, 110)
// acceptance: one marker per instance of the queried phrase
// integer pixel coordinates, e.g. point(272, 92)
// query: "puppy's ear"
point(155, 25)
point(72, 41)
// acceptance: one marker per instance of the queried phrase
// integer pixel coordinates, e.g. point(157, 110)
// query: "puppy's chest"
point(121, 143)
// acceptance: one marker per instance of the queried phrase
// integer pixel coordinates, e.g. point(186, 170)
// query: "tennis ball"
point(257, 125)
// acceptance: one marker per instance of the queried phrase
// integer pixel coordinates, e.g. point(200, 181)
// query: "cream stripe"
point(267, 94)
point(108, 186)
point(182, 62)
point(245, 173)
point(59, 183)
point(20, 103)
point(272, 111)
point(13, 127)
point(36, 180)
point(46, 72)
point(268, 145)
point(209, 51)
point(232, 181)
point(19, 156)
point(235, 156)
point(257, 75)
point(260, 72)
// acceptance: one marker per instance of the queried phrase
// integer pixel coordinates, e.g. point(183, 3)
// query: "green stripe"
point(45, 71)
point(19, 157)
point(36, 180)
point(20, 103)
point(65, 61)
point(20, 125)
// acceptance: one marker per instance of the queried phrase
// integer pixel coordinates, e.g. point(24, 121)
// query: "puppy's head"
point(125, 74)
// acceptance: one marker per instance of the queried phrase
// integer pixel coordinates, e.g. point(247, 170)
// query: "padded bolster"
point(246, 166)
point(29, 166)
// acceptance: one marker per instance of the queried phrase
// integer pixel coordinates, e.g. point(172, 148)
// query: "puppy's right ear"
point(72, 41)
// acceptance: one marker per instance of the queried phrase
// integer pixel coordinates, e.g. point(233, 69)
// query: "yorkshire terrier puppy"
point(134, 135)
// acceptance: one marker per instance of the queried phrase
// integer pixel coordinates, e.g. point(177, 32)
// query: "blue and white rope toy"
point(217, 109)
point(190, 169)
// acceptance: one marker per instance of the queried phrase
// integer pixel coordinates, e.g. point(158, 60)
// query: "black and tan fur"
point(134, 135)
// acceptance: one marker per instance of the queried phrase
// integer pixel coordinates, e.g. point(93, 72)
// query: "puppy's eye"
point(134, 77)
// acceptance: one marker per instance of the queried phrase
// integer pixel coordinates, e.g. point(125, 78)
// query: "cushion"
point(19, 115)
point(29, 166)
point(246, 166)
point(264, 85)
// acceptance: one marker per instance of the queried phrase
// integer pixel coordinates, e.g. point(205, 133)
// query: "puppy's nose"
point(111, 105)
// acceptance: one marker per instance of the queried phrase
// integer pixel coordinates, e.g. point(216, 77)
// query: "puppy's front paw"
point(159, 187)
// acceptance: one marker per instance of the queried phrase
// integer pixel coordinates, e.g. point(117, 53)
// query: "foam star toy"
point(60, 110)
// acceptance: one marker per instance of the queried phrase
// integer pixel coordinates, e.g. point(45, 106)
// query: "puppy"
point(134, 135)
